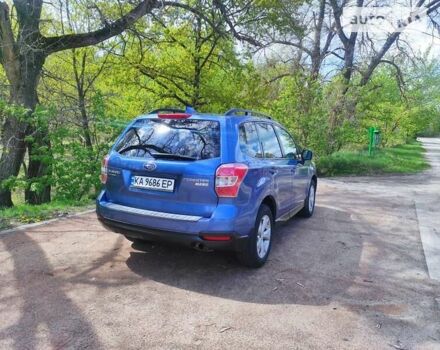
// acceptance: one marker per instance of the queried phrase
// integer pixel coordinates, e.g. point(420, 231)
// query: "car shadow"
point(302, 269)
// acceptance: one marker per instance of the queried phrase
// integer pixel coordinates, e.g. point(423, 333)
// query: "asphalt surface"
point(354, 276)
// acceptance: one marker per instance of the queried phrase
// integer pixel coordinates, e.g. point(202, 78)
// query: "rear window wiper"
point(147, 148)
point(172, 156)
point(132, 147)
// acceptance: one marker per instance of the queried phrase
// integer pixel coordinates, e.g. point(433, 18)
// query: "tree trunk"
point(348, 62)
point(315, 56)
point(23, 91)
point(22, 62)
point(79, 72)
point(13, 149)
point(33, 63)
point(85, 122)
point(38, 169)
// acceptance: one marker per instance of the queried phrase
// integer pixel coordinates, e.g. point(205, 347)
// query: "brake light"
point(174, 115)
point(228, 179)
point(104, 166)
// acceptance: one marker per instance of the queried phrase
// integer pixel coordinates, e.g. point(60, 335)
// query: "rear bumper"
point(192, 241)
point(175, 228)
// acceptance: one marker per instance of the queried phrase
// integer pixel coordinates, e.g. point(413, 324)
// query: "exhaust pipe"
point(201, 247)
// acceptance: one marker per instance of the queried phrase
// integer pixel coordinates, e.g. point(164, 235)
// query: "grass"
point(402, 159)
point(25, 213)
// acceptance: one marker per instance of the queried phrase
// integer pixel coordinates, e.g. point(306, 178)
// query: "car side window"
point(289, 147)
point(249, 141)
point(268, 138)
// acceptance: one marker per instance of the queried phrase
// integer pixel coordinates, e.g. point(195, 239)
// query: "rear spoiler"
point(169, 110)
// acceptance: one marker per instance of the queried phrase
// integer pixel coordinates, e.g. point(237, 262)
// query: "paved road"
point(352, 277)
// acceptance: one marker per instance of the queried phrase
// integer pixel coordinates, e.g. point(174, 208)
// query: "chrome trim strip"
point(156, 214)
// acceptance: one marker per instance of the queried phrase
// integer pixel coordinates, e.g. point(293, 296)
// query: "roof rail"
point(241, 111)
point(167, 109)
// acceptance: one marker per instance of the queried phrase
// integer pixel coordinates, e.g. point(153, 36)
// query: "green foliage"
point(331, 116)
point(76, 168)
point(26, 214)
point(280, 14)
point(7, 109)
point(300, 107)
point(407, 158)
point(424, 96)
point(381, 105)
point(187, 63)
point(173, 58)
point(400, 111)
point(36, 121)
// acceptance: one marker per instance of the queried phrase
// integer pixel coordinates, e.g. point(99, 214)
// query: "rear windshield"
point(171, 138)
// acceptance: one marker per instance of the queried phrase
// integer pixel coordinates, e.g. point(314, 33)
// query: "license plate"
point(153, 183)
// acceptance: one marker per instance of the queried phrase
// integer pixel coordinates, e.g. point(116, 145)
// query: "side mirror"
point(307, 154)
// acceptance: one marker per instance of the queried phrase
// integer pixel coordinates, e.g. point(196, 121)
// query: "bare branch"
point(70, 41)
point(337, 11)
point(232, 26)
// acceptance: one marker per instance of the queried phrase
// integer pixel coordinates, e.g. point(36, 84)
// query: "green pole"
point(371, 140)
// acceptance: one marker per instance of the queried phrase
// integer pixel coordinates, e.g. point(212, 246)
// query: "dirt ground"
point(354, 276)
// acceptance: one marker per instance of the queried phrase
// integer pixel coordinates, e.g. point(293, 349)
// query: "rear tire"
point(257, 248)
point(309, 202)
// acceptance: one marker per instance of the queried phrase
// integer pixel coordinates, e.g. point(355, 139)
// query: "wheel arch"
point(270, 202)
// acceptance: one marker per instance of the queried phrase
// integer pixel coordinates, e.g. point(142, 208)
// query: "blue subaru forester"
point(207, 181)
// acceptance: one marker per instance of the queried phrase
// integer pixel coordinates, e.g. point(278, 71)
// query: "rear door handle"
point(272, 170)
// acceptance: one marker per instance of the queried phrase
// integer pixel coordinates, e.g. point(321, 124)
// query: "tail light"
point(228, 179)
point(104, 166)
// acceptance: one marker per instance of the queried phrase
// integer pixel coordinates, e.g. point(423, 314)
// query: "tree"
point(69, 81)
point(309, 31)
point(349, 41)
point(210, 68)
point(22, 55)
